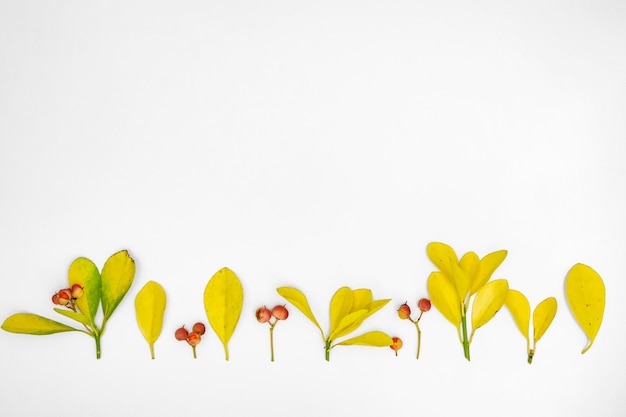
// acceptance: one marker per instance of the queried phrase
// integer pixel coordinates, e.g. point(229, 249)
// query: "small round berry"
point(263, 314)
point(76, 291)
point(280, 312)
point(63, 296)
point(424, 304)
point(193, 339)
point(396, 345)
point(198, 328)
point(404, 312)
point(181, 334)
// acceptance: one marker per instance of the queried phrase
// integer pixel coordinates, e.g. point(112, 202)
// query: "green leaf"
point(542, 317)
point(117, 276)
point(34, 324)
point(444, 297)
point(518, 305)
point(150, 309)
point(223, 302)
point(81, 318)
point(487, 267)
point(375, 338)
point(489, 299)
point(340, 307)
point(442, 256)
point(299, 300)
point(85, 273)
point(586, 297)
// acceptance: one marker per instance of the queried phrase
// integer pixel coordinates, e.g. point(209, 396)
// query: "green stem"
point(97, 337)
point(327, 348)
point(272, 341)
point(152, 350)
point(194, 352)
point(466, 350)
point(419, 338)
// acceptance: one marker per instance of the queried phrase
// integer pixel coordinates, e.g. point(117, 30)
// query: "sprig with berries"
point(264, 315)
point(193, 337)
point(404, 312)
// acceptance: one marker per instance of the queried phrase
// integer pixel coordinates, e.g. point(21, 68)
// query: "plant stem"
point(419, 338)
point(327, 348)
point(194, 352)
point(97, 337)
point(272, 341)
point(152, 350)
point(466, 350)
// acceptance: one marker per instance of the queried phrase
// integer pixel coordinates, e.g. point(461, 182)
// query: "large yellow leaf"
point(470, 264)
point(375, 338)
point(444, 297)
point(118, 274)
point(518, 305)
point(340, 307)
point(150, 309)
point(298, 300)
point(85, 273)
point(461, 281)
point(586, 297)
point(347, 324)
point(488, 264)
point(34, 324)
point(542, 317)
point(488, 300)
point(223, 301)
point(370, 309)
point(362, 297)
point(442, 256)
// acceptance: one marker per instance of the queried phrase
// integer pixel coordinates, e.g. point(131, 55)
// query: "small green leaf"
point(223, 302)
point(489, 299)
point(518, 305)
point(81, 318)
point(299, 300)
point(586, 297)
point(85, 273)
point(118, 274)
point(444, 297)
point(375, 338)
point(542, 317)
point(34, 324)
point(150, 309)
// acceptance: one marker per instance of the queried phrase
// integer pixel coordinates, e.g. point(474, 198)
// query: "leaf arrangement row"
point(461, 290)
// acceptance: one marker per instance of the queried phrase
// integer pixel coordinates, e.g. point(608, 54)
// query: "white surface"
point(312, 144)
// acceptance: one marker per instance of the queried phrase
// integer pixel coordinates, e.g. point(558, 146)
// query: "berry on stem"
point(280, 312)
point(396, 345)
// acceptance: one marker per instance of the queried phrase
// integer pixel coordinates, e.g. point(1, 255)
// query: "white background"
point(312, 144)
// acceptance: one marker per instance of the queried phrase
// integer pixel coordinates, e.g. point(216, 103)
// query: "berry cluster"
point(193, 338)
point(264, 315)
point(404, 312)
point(67, 296)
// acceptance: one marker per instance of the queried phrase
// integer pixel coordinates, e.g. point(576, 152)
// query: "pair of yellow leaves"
point(348, 310)
point(223, 302)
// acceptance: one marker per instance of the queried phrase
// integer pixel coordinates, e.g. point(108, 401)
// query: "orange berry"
point(280, 312)
point(404, 312)
point(193, 339)
point(181, 334)
point(263, 314)
point(424, 304)
point(76, 291)
point(198, 328)
point(396, 345)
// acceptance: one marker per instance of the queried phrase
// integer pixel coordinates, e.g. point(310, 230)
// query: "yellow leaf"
point(298, 300)
point(118, 274)
point(375, 338)
point(362, 297)
point(442, 256)
point(150, 309)
point(489, 299)
point(487, 267)
point(461, 281)
point(586, 297)
point(444, 297)
point(340, 306)
point(347, 324)
point(542, 317)
point(370, 309)
point(85, 273)
point(518, 305)
point(470, 264)
point(34, 324)
point(223, 302)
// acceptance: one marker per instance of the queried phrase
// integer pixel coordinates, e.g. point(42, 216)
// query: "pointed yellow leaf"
point(542, 317)
point(445, 297)
point(442, 256)
point(150, 309)
point(348, 324)
point(34, 324)
point(586, 297)
point(298, 300)
point(85, 273)
point(375, 338)
point(461, 281)
point(79, 317)
point(362, 297)
point(340, 306)
point(223, 302)
point(489, 299)
point(470, 264)
point(118, 274)
point(518, 305)
point(488, 265)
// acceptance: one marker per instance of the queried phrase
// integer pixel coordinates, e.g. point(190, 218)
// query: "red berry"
point(424, 304)
point(193, 339)
point(404, 312)
point(396, 345)
point(181, 334)
point(263, 314)
point(76, 291)
point(198, 328)
point(280, 312)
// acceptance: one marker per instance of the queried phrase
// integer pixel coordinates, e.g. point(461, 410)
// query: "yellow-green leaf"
point(347, 324)
point(370, 309)
point(488, 300)
point(518, 305)
point(298, 300)
point(375, 338)
point(542, 317)
point(362, 297)
point(340, 307)
point(117, 276)
point(81, 318)
point(444, 297)
point(442, 256)
point(461, 281)
point(223, 302)
point(470, 264)
point(34, 324)
point(150, 309)
point(487, 267)
point(85, 273)
point(586, 297)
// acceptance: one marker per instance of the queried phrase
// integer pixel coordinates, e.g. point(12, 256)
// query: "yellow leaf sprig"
point(150, 309)
point(348, 310)
point(544, 313)
point(458, 281)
